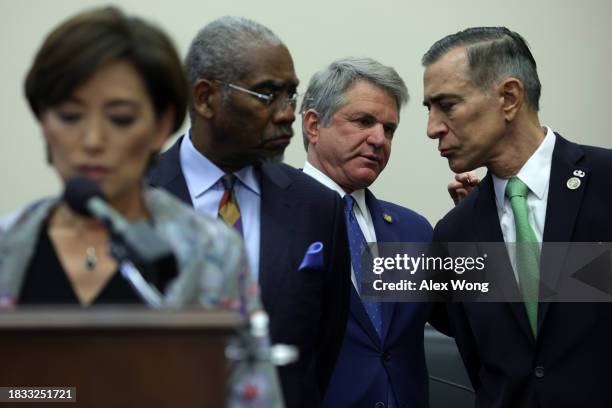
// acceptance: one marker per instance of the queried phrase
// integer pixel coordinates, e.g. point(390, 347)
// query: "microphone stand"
point(122, 248)
point(254, 381)
point(148, 293)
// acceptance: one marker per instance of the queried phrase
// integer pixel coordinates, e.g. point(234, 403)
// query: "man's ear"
point(310, 124)
point(512, 94)
point(204, 94)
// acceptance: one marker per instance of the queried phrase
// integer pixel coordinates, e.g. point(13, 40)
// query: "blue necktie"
point(357, 242)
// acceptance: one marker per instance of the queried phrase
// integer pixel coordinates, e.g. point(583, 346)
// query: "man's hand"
point(461, 186)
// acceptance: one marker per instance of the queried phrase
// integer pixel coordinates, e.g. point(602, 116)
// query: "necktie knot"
point(349, 202)
point(516, 187)
point(228, 181)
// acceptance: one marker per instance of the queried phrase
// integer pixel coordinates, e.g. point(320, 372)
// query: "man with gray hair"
point(482, 91)
point(350, 114)
point(243, 97)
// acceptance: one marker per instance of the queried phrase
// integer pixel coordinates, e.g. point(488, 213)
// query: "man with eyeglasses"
point(243, 89)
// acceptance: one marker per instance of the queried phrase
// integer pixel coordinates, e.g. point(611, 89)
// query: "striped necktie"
point(527, 250)
point(228, 206)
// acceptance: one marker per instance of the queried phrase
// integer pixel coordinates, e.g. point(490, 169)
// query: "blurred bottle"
point(253, 379)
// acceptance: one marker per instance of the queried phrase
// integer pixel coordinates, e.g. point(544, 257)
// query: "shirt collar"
point(358, 195)
point(531, 173)
point(248, 176)
point(201, 174)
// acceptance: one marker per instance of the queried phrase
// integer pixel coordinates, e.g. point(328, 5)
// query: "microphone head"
point(79, 190)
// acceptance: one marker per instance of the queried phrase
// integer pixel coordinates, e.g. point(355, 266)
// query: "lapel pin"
point(579, 173)
point(573, 183)
point(388, 218)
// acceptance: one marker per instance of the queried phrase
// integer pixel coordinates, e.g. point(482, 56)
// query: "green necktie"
point(527, 250)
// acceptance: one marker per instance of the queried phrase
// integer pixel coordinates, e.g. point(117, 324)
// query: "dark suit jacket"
point(570, 362)
point(368, 363)
point(307, 307)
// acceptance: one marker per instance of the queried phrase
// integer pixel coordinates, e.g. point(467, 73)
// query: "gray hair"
point(217, 51)
point(326, 89)
point(493, 53)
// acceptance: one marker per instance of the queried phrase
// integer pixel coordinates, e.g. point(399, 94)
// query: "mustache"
point(281, 134)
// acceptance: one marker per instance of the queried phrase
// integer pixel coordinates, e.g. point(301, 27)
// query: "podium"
point(119, 356)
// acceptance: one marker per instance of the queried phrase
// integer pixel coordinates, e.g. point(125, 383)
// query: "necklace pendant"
point(91, 260)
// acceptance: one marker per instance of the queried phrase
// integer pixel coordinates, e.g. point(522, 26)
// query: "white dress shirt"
point(535, 173)
point(203, 180)
point(361, 211)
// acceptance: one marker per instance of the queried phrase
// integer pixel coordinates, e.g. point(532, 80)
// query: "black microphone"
point(135, 246)
point(79, 191)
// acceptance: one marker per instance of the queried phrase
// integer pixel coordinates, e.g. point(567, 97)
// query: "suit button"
point(539, 372)
point(379, 405)
point(386, 356)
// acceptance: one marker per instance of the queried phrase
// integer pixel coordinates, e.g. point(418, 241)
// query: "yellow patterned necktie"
point(228, 206)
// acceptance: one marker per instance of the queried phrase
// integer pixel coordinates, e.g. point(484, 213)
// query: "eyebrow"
point(122, 102)
point(392, 125)
point(438, 97)
point(276, 84)
point(118, 102)
point(361, 114)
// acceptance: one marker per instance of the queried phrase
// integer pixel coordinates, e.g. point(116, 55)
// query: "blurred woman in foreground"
point(108, 90)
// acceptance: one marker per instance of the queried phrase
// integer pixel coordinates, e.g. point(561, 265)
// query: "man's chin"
point(364, 180)
point(457, 166)
point(462, 166)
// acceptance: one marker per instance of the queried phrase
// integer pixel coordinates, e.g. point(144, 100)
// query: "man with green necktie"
point(482, 91)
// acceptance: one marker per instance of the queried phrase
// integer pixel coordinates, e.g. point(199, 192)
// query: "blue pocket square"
point(313, 258)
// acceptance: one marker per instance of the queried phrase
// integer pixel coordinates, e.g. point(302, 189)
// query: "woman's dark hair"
point(75, 50)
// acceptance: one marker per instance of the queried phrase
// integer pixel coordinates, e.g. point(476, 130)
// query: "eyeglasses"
point(273, 100)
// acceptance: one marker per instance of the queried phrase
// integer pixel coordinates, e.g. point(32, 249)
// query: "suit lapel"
point(486, 225)
point(562, 209)
point(385, 232)
point(277, 227)
point(563, 203)
point(362, 318)
point(168, 174)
